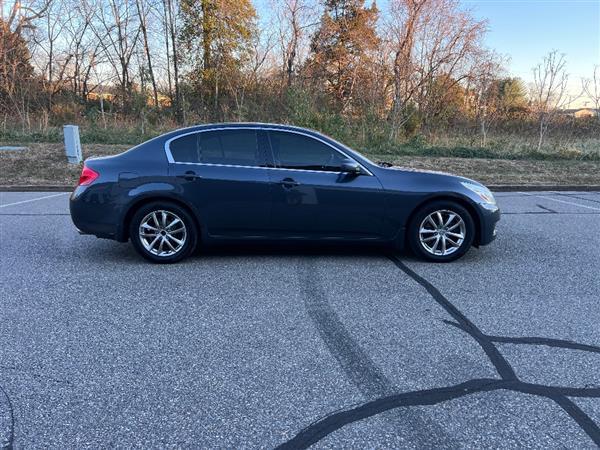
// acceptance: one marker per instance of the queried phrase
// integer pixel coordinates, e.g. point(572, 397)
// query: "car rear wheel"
point(163, 232)
point(441, 231)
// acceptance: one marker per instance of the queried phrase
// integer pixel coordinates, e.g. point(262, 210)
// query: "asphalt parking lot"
point(246, 347)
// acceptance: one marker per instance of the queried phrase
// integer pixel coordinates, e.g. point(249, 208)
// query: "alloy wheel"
point(162, 233)
point(442, 232)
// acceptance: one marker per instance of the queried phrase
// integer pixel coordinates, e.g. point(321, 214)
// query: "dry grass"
point(45, 164)
point(505, 171)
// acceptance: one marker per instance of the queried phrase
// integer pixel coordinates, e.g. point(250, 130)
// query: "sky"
point(526, 30)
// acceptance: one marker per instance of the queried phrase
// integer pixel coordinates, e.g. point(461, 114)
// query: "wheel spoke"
point(164, 218)
point(156, 222)
point(455, 244)
point(456, 224)
point(430, 238)
point(435, 245)
point(160, 246)
point(174, 222)
point(149, 227)
point(430, 220)
point(178, 230)
point(443, 245)
point(425, 230)
point(451, 217)
point(154, 241)
point(177, 241)
point(456, 235)
point(170, 245)
point(438, 215)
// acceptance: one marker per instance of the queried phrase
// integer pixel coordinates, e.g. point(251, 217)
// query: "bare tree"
point(549, 91)
point(402, 26)
point(84, 45)
point(118, 32)
point(143, 18)
point(17, 19)
point(171, 26)
point(261, 49)
point(436, 46)
point(591, 88)
point(484, 85)
point(52, 56)
point(294, 18)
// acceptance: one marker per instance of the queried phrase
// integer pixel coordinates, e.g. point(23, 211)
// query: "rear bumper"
point(92, 214)
point(489, 220)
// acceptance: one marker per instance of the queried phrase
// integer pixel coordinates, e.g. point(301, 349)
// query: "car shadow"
point(294, 249)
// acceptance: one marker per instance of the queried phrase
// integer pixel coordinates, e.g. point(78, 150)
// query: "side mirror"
point(350, 166)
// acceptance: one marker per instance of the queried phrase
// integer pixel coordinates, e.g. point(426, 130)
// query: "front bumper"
point(489, 219)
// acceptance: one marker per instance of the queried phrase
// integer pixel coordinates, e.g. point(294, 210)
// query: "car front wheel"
point(163, 232)
point(441, 231)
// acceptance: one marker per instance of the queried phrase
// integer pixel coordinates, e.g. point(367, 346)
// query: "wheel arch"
point(123, 232)
point(462, 201)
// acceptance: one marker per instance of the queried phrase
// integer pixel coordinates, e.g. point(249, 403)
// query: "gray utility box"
point(72, 144)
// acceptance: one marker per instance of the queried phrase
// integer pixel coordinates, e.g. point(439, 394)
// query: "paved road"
point(252, 348)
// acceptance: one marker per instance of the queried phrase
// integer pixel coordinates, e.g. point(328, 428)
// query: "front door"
point(224, 173)
point(311, 196)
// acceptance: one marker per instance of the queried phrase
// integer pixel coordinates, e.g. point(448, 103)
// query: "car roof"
point(208, 126)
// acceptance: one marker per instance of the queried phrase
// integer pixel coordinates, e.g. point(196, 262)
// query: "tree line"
point(420, 68)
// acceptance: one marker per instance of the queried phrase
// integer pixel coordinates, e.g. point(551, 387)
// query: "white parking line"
point(33, 199)
point(563, 201)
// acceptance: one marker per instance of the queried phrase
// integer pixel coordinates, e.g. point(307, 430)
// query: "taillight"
point(87, 176)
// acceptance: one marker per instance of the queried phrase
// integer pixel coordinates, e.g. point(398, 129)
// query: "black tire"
point(413, 231)
point(191, 232)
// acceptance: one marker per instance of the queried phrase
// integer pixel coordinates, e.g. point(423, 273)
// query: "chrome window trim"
point(172, 161)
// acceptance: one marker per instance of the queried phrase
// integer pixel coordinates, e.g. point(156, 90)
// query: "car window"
point(185, 148)
point(230, 147)
point(295, 151)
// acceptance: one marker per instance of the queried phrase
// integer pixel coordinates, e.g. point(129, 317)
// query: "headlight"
point(483, 192)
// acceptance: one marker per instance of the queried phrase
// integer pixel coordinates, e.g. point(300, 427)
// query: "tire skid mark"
point(322, 428)
point(358, 367)
point(502, 366)
point(8, 444)
point(508, 380)
point(531, 340)
point(584, 421)
point(545, 208)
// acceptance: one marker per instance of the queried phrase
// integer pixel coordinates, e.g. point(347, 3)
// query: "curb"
point(492, 187)
point(35, 188)
point(542, 187)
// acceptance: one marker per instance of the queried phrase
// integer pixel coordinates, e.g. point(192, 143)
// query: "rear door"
point(223, 172)
point(311, 196)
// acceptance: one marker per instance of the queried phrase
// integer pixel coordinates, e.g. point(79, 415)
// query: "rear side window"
point(185, 148)
point(295, 151)
point(229, 147)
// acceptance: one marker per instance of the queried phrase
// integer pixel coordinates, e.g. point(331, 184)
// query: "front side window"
point(228, 147)
point(295, 151)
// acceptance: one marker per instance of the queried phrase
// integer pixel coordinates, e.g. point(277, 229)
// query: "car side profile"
point(250, 182)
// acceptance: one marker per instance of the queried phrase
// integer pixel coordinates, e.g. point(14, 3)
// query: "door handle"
point(190, 175)
point(289, 183)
